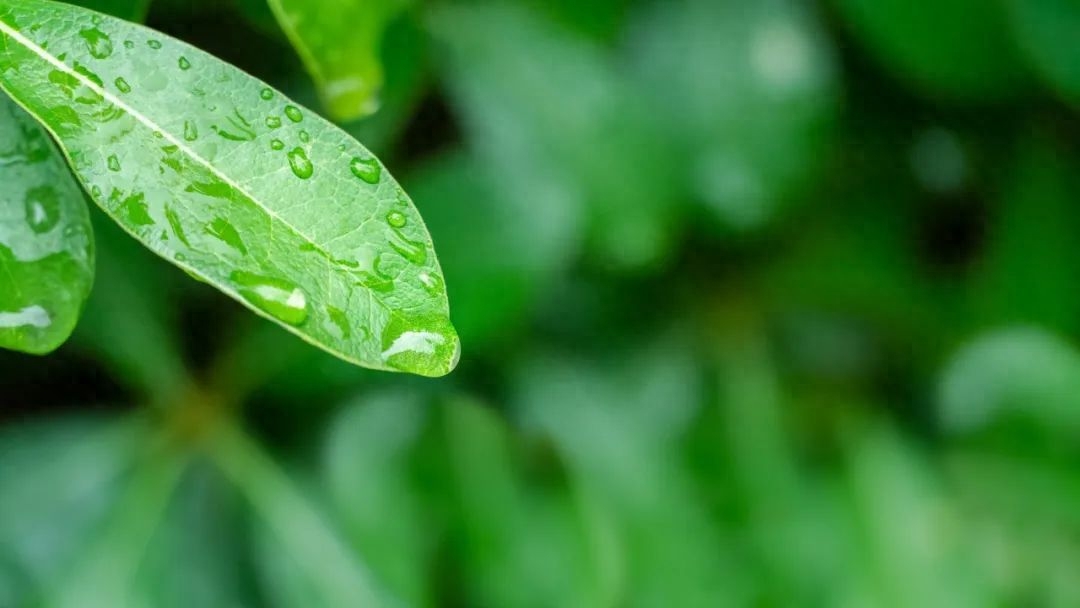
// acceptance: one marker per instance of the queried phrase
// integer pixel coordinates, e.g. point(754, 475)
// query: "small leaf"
point(46, 243)
point(232, 182)
point(339, 45)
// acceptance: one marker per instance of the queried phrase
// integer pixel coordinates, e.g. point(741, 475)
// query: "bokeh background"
point(764, 303)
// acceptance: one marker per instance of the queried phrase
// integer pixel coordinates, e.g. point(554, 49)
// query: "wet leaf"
point(339, 45)
point(231, 181)
point(46, 243)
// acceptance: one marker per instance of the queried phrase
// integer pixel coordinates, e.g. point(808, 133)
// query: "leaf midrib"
point(153, 126)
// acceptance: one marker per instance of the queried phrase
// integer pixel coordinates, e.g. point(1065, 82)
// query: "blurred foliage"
point(763, 304)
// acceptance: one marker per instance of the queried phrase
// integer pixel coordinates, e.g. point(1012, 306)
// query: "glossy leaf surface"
point(225, 177)
point(338, 41)
point(46, 250)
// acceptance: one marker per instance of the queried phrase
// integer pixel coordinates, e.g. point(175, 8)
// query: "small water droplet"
point(413, 251)
point(300, 163)
point(122, 85)
point(97, 42)
point(95, 191)
point(396, 219)
point(277, 144)
point(113, 163)
point(340, 320)
point(305, 137)
point(42, 208)
point(223, 230)
point(184, 63)
point(367, 169)
point(191, 131)
point(293, 113)
point(154, 44)
point(129, 44)
point(266, 94)
point(279, 298)
point(273, 122)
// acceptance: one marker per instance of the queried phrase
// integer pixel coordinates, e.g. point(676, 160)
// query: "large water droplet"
point(122, 85)
point(31, 316)
point(184, 63)
point(396, 219)
point(97, 42)
point(279, 298)
point(129, 44)
point(293, 113)
point(432, 283)
point(42, 208)
point(191, 131)
point(428, 345)
point(305, 137)
point(367, 169)
point(300, 163)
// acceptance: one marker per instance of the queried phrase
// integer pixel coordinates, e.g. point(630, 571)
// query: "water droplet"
point(266, 94)
point(113, 163)
point(300, 163)
point(227, 233)
point(432, 283)
point(367, 169)
point(305, 137)
point(184, 63)
point(278, 298)
point(154, 44)
point(273, 122)
point(42, 207)
point(31, 316)
point(177, 227)
point(97, 42)
point(293, 113)
point(277, 144)
point(413, 251)
point(427, 345)
point(122, 85)
point(191, 131)
point(95, 191)
point(340, 320)
point(129, 44)
point(396, 219)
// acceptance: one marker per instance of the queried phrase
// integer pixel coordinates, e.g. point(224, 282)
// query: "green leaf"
point(339, 45)
point(46, 243)
point(225, 177)
point(1047, 32)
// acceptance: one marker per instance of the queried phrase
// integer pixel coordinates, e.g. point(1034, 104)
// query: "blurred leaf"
point(130, 318)
point(60, 478)
point(748, 89)
point(555, 121)
point(366, 466)
point(303, 559)
point(339, 43)
point(1046, 30)
point(46, 242)
point(131, 10)
point(275, 250)
point(1003, 375)
point(953, 50)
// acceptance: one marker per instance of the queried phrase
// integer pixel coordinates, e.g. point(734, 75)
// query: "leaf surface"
point(228, 179)
point(46, 244)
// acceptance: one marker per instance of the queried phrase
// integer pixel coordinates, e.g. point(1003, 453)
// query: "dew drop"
point(300, 163)
point(396, 219)
point(191, 131)
point(129, 44)
point(113, 163)
point(279, 298)
point(413, 251)
point(266, 94)
point(432, 283)
point(273, 122)
point(305, 137)
point(154, 44)
point(42, 207)
point(122, 85)
point(97, 42)
point(184, 63)
point(367, 169)
point(277, 144)
point(293, 113)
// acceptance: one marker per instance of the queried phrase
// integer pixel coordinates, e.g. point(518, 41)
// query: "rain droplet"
point(300, 163)
point(341, 321)
point(367, 169)
point(279, 298)
point(273, 122)
point(266, 94)
point(305, 137)
point(129, 44)
point(113, 162)
point(428, 346)
point(122, 85)
point(191, 132)
point(97, 42)
point(396, 219)
point(412, 251)
point(42, 207)
point(432, 283)
point(277, 144)
point(184, 63)
point(293, 113)
point(154, 44)
point(227, 233)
